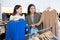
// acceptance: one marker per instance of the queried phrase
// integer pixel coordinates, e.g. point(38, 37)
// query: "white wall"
point(40, 4)
point(0, 12)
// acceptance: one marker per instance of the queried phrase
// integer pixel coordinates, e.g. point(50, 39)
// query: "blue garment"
point(35, 31)
point(53, 38)
point(15, 30)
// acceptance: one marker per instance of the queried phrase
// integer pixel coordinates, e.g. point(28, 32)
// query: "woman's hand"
point(36, 24)
point(32, 25)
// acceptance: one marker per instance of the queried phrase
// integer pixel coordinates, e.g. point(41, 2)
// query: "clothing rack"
point(42, 30)
point(45, 33)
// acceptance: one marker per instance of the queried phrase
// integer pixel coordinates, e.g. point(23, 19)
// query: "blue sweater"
point(15, 30)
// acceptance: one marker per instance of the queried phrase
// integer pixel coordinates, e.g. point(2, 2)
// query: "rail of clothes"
point(45, 35)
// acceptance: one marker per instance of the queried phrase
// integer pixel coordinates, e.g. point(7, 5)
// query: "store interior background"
point(6, 6)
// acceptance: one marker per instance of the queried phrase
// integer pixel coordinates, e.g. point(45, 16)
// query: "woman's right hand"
point(36, 24)
point(32, 25)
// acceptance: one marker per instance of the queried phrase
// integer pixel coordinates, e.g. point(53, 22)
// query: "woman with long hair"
point(17, 13)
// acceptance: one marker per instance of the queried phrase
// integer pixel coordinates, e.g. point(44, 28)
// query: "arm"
point(13, 17)
point(42, 17)
point(39, 22)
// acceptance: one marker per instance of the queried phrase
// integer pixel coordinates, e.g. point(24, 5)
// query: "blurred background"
point(7, 6)
point(6, 9)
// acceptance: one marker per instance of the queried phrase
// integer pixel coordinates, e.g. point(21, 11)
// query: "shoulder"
point(11, 16)
point(23, 15)
point(37, 14)
point(27, 15)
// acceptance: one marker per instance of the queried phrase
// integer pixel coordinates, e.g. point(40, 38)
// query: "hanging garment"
point(35, 38)
point(49, 18)
point(47, 36)
point(15, 30)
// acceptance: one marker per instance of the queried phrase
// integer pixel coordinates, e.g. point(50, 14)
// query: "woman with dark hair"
point(32, 17)
point(15, 29)
point(17, 13)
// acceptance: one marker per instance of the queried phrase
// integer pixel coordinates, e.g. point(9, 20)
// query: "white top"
point(17, 17)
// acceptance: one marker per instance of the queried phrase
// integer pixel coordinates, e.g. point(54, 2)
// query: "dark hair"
point(30, 7)
point(59, 15)
point(16, 7)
